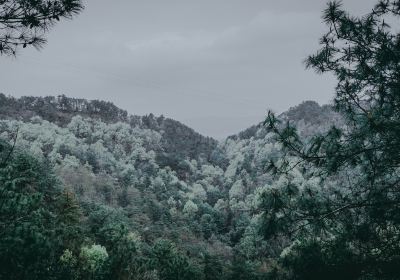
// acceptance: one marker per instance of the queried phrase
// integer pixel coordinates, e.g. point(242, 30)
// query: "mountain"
point(178, 141)
point(309, 117)
point(157, 179)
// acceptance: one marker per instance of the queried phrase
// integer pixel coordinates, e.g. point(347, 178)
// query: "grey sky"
point(215, 65)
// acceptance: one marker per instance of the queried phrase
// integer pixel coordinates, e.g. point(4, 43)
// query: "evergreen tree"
point(170, 263)
point(349, 226)
point(213, 268)
point(37, 220)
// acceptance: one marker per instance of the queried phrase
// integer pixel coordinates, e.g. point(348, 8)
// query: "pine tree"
point(350, 223)
point(213, 268)
point(37, 223)
point(24, 23)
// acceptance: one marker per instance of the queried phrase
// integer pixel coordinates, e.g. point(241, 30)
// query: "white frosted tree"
point(237, 190)
point(190, 208)
point(198, 192)
point(80, 127)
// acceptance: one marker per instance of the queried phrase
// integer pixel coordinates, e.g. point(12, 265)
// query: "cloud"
point(172, 42)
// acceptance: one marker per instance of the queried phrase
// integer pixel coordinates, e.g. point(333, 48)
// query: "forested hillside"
point(154, 179)
point(177, 140)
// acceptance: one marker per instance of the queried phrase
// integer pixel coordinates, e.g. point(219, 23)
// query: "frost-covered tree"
point(198, 192)
point(190, 208)
point(80, 127)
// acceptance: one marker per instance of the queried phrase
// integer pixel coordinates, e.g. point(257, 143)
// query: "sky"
point(217, 66)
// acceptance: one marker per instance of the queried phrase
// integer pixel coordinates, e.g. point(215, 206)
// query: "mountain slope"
point(159, 179)
point(308, 116)
point(178, 141)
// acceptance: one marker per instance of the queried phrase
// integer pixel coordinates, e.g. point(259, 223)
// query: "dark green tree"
point(207, 225)
point(213, 268)
point(349, 225)
point(37, 219)
point(241, 269)
point(24, 22)
point(170, 263)
point(110, 228)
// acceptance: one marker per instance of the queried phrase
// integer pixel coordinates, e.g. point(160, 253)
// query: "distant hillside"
point(309, 117)
point(178, 141)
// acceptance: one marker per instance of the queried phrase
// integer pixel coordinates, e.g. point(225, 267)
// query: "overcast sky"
point(215, 65)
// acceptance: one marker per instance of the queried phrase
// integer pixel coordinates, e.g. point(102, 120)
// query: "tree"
point(170, 263)
point(213, 268)
point(240, 269)
point(207, 225)
point(24, 22)
point(110, 228)
point(354, 215)
point(190, 208)
point(38, 221)
point(93, 259)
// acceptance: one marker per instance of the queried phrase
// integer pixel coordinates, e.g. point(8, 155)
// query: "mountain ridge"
point(60, 110)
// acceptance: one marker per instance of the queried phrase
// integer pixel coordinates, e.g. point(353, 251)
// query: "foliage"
point(38, 219)
point(170, 263)
point(349, 225)
point(126, 199)
point(93, 258)
point(24, 23)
